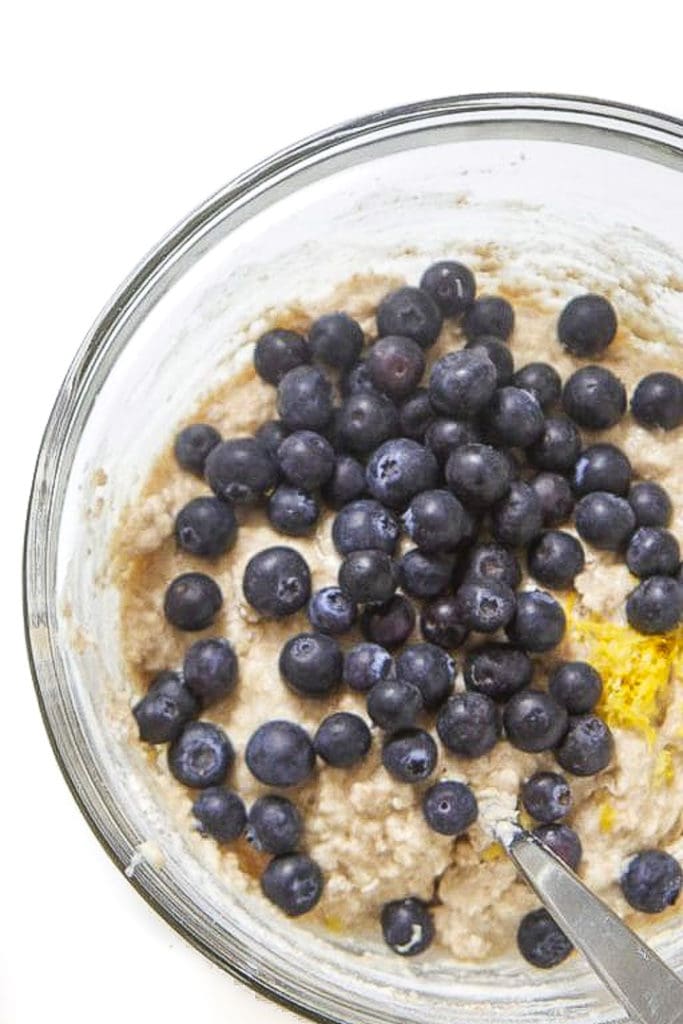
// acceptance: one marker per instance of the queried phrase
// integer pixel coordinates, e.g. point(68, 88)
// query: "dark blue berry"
point(485, 605)
point(293, 882)
point(368, 577)
point(462, 383)
point(594, 398)
point(428, 667)
point(398, 470)
point(444, 436)
point(165, 709)
point(201, 756)
point(357, 379)
point(604, 520)
point(587, 325)
point(395, 365)
point(416, 415)
point(517, 518)
point(274, 824)
point(546, 796)
point(424, 576)
point(407, 926)
point(240, 471)
point(451, 285)
point(494, 562)
point(280, 753)
point(394, 704)
point(292, 510)
point(489, 314)
point(499, 354)
point(336, 339)
point(435, 521)
point(363, 525)
point(390, 624)
point(469, 724)
point(602, 467)
point(346, 482)
point(192, 601)
point(513, 418)
point(541, 941)
point(270, 436)
point(557, 447)
point(539, 622)
point(210, 670)
point(193, 444)
point(440, 622)
point(304, 399)
point(563, 841)
point(311, 664)
point(478, 474)
point(556, 498)
point(652, 881)
point(658, 401)
point(653, 551)
point(366, 420)
point(576, 686)
point(587, 746)
point(342, 739)
point(306, 459)
point(449, 808)
point(497, 670)
point(332, 611)
point(220, 813)
point(277, 352)
point(555, 558)
point(655, 606)
point(542, 381)
point(409, 755)
point(534, 721)
point(366, 664)
point(206, 526)
point(650, 503)
point(277, 582)
point(412, 313)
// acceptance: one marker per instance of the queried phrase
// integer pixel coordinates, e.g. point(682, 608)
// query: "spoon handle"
point(633, 972)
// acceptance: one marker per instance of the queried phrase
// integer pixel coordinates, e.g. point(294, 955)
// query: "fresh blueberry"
point(336, 339)
point(430, 669)
point(514, 418)
point(542, 942)
point(274, 825)
point(270, 436)
point(546, 796)
point(494, 562)
point(395, 704)
point(534, 721)
point(342, 739)
point(658, 401)
point(367, 664)
point(306, 459)
point(398, 470)
point(277, 352)
point(220, 813)
point(201, 756)
point(424, 576)
point(292, 510)
point(416, 415)
point(192, 601)
point(411, 313)
point(440, 622)
point(485, 605)
point(542, 381)
point(652, 881)
point(499, 354)
point(293, 882)
point(462, 383)
point(497, 670)
point(277, 582)
point(517, 518)
point(363, 525)
point(409, 755)
point(563, 841)
point(451, 285)
point(478, 475)
point(587, 325)
point(556, 498)
point(655, 606)
point(435, 521)
point(206, 526)
point(193, 444)
point(558, 446)
point(311, 664)
point(653, 551)
point(594, 398)
point(576, 686)
point(346, 482)
point(357, 379)
point(210, 670)
point(368, 577)
point(390, 624)
point(650, 503)
point(165, 709)
point(304, 398)
point(539, 622)
point(444, 436)
point(587, 746)
point(240, 471)
point(366, 420)
point(469, 724)
point(604, 520)
point(489, 314)
point(407, 926)
point(332, 611)
point(449, 808)
point(555, 558)
point(280, 753)
point(395, 366)
point(602, 467)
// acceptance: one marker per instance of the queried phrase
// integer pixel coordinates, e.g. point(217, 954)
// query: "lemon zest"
point(663, 774)
point(493, 852)
point(607, 816)
point(333, 923)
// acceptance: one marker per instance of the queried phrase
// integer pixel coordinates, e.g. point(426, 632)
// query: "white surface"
point(116, 121)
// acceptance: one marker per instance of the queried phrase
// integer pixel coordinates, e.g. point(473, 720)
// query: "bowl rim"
point(663, 130)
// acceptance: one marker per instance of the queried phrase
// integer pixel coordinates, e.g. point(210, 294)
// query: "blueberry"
point(311, 664)
point(542, 381)
point(368, 577)
point(494, 562)
point(513, 418)
point(292, 510)
point(395, 366)
point(165, 709)
point(602, 467)
point(336, 339)
point(497, 670)
point(653, 551)
point(499, 354)
point(587, 747)
point(650, 503)
point(201, 756)
point(655, 606)
point(293, 882)
point(210, 670)
point(478, 474)
point(407, 926)
point(280, 753)
point(462, 383)
point(469, 724)
point(422, 575)
point(270, 436)
point(541, 941)
point(306, 459)
point(594, 398)
point(409, 755)
point(555, 558)
point(398, 470)
point(652, 881)
point(587, 325)
point(240, 471)
point(440, 622)
point(451, 286)
point(558, 446)
point(412, 313)
point(563, 841)
point(390, 624)
point(394, 704)
point(277, 582)
point(331, 610)
point(274, 824)
point(342, 739)
point(604, 520)
point(357, 379)
point(304, 398)
point(367, 664)
point(449, 808)
point(363, 525)
point(534, 721)
point(366, 420)
point(658, 401)
point(546, 796)
point(576, 686)
point(206, 526)
point(430, 669)
point(489, 314)
point(193, 444)
point(539, 622)
point(435, 521)
point(192, 601)
point(277, 352)
point(556, 498)
point(416, 415)
point(346, 482)
point(444, 436)
point(517, 518)
point(485, 605)
point(220, 813)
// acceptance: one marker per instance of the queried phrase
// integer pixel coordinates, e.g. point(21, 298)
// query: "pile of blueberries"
point(479, 467)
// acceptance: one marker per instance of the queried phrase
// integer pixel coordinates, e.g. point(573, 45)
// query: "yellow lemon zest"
point(333, 923)
point(607, 816)
point(663, 774)
point(493, 852)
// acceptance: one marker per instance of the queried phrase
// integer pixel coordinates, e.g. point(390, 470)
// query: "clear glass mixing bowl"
point(557, 183)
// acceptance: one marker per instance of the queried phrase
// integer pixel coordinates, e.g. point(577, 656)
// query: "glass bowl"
point(560, 185)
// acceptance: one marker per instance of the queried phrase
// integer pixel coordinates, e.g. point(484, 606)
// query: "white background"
point(117, 119)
